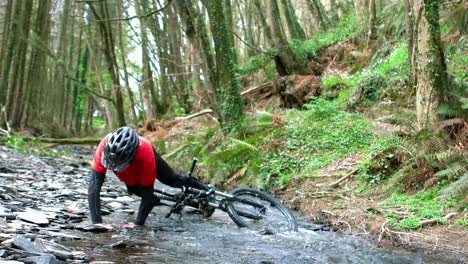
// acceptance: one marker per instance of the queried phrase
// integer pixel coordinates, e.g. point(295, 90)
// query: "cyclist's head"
point(120, 149)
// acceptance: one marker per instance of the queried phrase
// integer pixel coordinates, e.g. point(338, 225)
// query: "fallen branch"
point(383, 230)
point(257, 88)
point(436, 220)
point(65, 140)
point(204, 112)
point(347, 176)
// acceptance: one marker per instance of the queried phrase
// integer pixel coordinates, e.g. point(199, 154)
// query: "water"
point(193, 239)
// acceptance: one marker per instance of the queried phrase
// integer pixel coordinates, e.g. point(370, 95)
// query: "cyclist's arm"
point(146, 204)
point(94, 196)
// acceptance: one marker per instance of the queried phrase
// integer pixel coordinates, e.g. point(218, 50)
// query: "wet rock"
point(56, 249)
point(2, 252)
point(96, 228)
point(118, 244)
point(34, 216)
point(25, 244)
point(42, 260)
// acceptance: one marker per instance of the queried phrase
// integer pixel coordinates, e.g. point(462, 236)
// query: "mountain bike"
point(247, 207)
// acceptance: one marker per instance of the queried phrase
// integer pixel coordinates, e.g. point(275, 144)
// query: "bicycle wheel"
point(259, 211)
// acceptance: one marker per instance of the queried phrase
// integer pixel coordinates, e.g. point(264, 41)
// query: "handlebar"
point(194, 162)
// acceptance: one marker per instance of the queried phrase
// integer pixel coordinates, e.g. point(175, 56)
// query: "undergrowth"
point(415, 208)
point(34, 147)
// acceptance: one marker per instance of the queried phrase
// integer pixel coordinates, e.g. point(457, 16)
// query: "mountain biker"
point(136, 163)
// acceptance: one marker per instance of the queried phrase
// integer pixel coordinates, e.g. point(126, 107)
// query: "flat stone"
point(34, 216)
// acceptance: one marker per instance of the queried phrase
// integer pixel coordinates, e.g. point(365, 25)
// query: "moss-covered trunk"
point(429, 63)
point(227, 87)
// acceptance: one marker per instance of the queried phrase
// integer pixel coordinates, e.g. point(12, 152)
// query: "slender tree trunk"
point(59, 85)
point(123, 54)
point(430, 64)
point(147, 83)
point(285, 60)
point(318, 11)
point(37, 82)
point(6, 18)
point(14, 31)
point(109, 54)
point(227, 87)
point(372, 23)
point(264, 21)
point(181, 91)
point(292, 22)
point(16, 95)
point(409, 29)
point(197, 32)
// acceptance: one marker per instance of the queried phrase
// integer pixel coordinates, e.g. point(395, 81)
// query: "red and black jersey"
point(140, 171)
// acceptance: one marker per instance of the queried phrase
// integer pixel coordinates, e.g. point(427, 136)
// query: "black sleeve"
point(146, 204)
point(166, 175)
point(94, 196)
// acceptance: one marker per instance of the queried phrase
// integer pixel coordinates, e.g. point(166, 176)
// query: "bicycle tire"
point(247, 215)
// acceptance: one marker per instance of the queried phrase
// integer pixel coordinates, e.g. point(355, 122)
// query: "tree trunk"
point(16, 95)
point(230, 101)
point(197, 33)
point(318, 11)
point(6, 18)
point(123, 57)
point(264, 21)
point(409, 30)
point(430, 66)
point(147, 82)
point(11, 49)
point(372, 23)
point(292, 22)
point(285, 60)
point(109, 54)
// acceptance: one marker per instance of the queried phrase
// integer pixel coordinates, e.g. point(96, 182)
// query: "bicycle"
point(247, 207)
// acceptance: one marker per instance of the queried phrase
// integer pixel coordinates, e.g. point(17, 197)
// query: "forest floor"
point(344, 210)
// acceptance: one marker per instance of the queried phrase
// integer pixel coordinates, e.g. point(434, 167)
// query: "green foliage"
point(410, 223)
point(309, 48)
point(324, 133)
point(386, 77)
point(463, 222)
point(34, 147)
point(421, 206)
point(254, 63)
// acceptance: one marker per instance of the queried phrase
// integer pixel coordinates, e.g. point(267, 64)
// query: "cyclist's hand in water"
point(129, 225)
point(101, 226)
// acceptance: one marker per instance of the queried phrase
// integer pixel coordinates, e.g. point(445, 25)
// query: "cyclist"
point(136, 163)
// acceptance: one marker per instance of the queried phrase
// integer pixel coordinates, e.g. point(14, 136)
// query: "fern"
point(244, 144)
point(455, 188)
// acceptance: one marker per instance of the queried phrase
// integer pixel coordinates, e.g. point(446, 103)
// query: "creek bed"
point(43, 219)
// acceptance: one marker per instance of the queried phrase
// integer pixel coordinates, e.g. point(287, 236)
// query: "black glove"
point(190, 181)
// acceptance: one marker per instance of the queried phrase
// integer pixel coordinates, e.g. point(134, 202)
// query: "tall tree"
point(429, 64)
point(318, 11)
point(285, 60)
point(103, 19)
point(227, 86)
point(297, 32)
point(37, 82)
point(16, 89)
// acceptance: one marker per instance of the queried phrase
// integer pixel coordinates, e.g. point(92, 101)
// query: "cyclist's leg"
point(166, 175)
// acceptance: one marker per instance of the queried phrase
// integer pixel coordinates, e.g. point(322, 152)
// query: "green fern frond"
point(244, 144)
point(452, 171)
point(457, 187)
